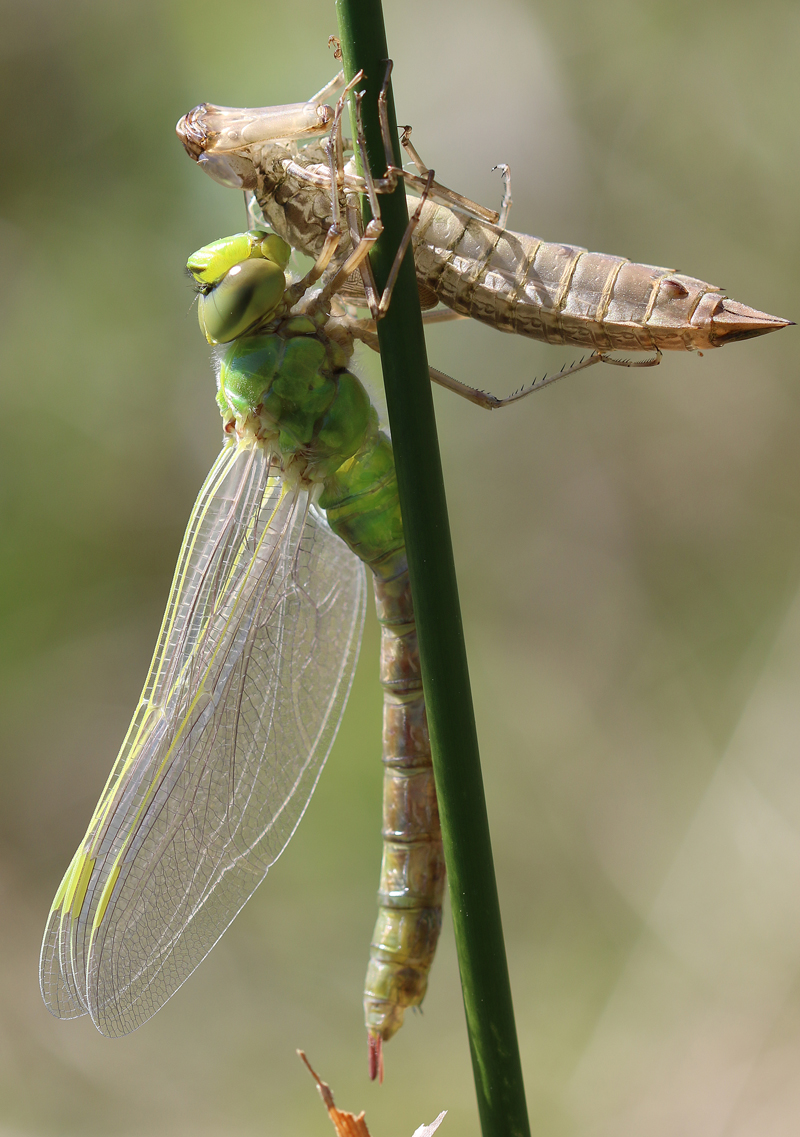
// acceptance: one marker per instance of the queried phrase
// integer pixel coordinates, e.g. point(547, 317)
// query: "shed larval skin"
point(549, 291)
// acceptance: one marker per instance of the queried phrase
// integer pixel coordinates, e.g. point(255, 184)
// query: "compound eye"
point(244, 296)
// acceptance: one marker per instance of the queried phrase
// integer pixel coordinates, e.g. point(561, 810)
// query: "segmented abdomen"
point(362, 505)
point(558, 293)
point(412, 873)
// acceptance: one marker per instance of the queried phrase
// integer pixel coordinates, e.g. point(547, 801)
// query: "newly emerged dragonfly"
point(464, 255)
point(252, 671)
point(256, 653)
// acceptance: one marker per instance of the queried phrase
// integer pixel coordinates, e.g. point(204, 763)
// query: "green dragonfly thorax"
point(288, 391)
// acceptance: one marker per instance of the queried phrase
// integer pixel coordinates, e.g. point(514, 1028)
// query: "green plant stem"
point(451, 720)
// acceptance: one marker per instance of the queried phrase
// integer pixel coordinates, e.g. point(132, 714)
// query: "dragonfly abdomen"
point(412, 870)
point(362, 506)
point(564, 294)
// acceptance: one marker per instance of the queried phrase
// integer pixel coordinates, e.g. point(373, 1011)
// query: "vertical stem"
point(459, 783)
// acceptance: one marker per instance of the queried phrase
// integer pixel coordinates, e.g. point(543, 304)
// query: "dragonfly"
point(253, 667)
point(465, 256)
point(257, 649)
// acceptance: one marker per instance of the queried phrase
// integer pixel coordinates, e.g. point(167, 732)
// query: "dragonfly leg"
point(354, 214)
point(436, 191)
point(405, 142)
point(337, 173)
point(505, 204)
point(492, 402)
point(380, 308)
point(362, 239)
point(335, 178)
point(337, 182)
point(295, 291)
point(335, 151)
point(413, 221)
point(654, 362)
point(442, 316)
point(422, 182)
point(364, 330)
point(462, 203)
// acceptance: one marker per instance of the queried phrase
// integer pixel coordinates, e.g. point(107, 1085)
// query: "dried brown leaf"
point(348, 1124)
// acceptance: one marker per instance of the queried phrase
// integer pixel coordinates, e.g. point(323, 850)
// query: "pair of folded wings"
point(247, 686)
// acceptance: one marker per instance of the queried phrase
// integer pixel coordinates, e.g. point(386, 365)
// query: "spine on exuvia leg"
point(412, 873)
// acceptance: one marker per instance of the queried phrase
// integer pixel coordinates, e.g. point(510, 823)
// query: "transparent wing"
point(245, 693)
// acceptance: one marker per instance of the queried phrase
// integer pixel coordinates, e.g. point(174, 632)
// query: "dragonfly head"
point(241, 282)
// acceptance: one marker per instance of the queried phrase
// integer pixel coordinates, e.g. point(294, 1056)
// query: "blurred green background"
point(628, 547)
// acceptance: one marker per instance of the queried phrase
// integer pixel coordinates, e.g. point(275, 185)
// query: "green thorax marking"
point(280, 391)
